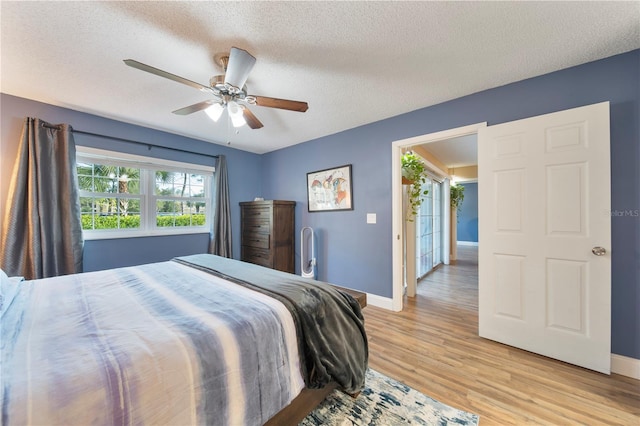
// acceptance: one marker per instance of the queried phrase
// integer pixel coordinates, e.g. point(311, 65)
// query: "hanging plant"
point(413, 175)
point(456, 196)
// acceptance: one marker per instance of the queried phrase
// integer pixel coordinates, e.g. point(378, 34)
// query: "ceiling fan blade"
point(148, 68)
point(195, 107)
point(281, 103)
point(252, 120)
point(240, 64)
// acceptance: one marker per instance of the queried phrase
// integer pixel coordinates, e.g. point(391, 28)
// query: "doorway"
point(396, 197)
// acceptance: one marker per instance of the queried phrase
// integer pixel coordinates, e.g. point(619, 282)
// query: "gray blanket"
point(329, 323)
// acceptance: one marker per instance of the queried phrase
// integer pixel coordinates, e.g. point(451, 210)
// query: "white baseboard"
point(379, 301)
point(467, 243)
point(625, 366)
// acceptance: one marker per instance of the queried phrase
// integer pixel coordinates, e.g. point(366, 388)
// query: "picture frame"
point(330, 189)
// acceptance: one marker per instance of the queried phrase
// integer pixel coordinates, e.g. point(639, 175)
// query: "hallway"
point(457, 284)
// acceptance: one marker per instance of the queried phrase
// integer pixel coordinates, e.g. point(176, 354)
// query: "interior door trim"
point(397, 241)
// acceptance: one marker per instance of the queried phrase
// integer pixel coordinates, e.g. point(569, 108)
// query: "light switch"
point(371, 218)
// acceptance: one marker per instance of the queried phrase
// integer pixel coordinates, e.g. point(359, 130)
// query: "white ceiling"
point(353, 62)
point(455, 152)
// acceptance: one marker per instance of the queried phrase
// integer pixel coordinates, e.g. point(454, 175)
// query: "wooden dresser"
point(267, 232)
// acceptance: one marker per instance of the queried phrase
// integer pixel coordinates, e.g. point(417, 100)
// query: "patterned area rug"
point(385, 401)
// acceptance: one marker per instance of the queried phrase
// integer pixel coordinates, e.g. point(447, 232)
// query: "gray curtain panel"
point(42, 226)
point(220, 243)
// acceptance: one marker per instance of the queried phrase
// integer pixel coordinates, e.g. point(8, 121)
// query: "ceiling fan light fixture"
point(238, 121)
point(214, 111)
point(236, 114)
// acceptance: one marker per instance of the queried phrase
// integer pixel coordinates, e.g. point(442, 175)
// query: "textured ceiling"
point(353, 62)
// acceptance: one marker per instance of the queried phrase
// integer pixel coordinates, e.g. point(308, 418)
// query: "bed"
point(197, 340)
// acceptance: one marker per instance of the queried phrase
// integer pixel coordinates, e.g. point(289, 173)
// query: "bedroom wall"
point(467, 227)
point(358, 255)
point(243, 167)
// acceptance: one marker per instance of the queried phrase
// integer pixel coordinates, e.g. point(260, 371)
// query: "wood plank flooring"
point(433, 346)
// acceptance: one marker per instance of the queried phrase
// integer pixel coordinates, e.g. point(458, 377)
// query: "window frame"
point(148, 198)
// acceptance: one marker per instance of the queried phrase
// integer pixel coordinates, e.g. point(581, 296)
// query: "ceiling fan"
point(228, 90)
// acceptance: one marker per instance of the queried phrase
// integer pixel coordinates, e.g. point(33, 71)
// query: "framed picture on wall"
point(330, 189)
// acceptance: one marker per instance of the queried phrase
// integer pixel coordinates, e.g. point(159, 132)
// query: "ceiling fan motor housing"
point(217, 83)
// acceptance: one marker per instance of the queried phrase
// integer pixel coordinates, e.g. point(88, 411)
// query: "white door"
point(544, 210)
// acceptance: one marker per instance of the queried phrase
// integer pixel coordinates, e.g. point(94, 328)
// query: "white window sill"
point(119, 234)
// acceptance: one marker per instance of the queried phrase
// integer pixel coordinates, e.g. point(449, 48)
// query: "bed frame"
point(309, 399)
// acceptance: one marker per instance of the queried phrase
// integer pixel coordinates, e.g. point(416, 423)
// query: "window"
point(124, 195)
point(428, 229)
point(179, 199)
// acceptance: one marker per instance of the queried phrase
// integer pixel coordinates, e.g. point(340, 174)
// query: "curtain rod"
point(149, 145)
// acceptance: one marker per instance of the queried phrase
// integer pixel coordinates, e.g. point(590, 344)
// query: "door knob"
point(598, 251)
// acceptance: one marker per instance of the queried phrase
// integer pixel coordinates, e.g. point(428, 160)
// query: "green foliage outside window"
point(180, 220)
point(133, 221)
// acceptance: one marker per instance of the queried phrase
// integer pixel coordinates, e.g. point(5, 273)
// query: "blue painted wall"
point(467, 229)
point(358, 255)
point(244, 177)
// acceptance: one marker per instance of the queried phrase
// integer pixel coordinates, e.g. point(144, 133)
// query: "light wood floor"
point(433, 346)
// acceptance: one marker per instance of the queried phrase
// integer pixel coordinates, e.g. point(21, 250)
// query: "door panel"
point(566, 295)
point(566, 199)
point(509, 280)
point(544, 191)
point(509, 196)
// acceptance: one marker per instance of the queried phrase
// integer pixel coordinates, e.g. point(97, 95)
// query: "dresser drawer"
point(257, 213)
point(254, 239)
point(256, 225)
point(257, 256)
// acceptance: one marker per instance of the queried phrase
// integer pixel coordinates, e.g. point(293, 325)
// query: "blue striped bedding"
point(154, 344)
